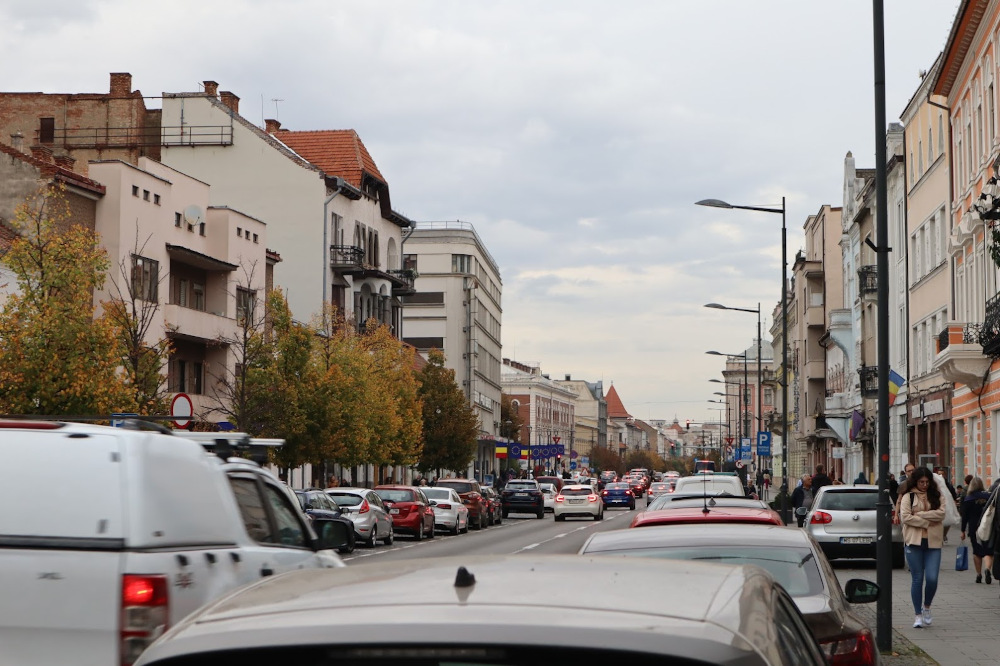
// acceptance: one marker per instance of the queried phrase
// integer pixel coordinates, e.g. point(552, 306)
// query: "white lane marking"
point(534, 545)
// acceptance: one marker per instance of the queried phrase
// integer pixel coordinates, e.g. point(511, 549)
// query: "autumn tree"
point(602, 458)
point(643, 459)
point(136, 318)
point(451, 427)
point(55, 357)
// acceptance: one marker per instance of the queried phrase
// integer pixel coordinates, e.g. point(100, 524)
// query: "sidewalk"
point(966, 617)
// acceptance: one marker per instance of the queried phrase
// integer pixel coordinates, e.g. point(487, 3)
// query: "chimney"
point(211, 88)
point(65, 161)
point(272, 125)
point(568, 378)
point(121, 84)
point(43, 153)
point(17, 141)
point(230, 100)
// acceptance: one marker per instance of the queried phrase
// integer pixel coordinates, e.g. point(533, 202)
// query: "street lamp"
point(744, 421)
point(736, 384)
point(717, 203)
point(760, 382)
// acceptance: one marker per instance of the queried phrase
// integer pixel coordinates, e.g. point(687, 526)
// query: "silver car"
point(842, 520)
point(364, 507)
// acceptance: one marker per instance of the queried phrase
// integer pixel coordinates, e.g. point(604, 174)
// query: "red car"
point(638, 486)
point(698, 514)
point(472, 498)
point(411, 512)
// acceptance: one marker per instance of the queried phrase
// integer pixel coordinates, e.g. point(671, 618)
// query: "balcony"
point(815, 369)
point(815, 316)
point(190, 324)
point(869, 381)
point(404, 281)
point(347, 258)
point(989, 334)
point(961, 358)
point(868, 281)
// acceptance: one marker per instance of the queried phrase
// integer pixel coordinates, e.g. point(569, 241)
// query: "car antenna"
point(704, 495)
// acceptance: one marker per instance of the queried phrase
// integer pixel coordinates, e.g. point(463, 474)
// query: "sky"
point(574, 135)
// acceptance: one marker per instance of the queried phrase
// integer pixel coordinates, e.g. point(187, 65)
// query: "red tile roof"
point(616, 410)
point(336, 152)
point(51, 169)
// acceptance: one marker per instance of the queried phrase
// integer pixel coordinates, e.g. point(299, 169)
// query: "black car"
point(523, 496)
point(317, 504)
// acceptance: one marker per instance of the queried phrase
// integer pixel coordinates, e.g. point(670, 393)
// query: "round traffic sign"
point(181, 407)
point(739, 464)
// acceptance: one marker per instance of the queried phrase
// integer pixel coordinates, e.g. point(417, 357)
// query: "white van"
point(131, 531)
point(710, 484)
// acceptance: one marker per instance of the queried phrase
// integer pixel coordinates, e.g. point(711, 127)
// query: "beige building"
point(591, 428)
point(546, 409)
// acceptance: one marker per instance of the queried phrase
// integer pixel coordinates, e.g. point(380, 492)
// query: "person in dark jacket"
point(820, 478)
point(803, 496)
point(862, 479)
point(893, 487)
point(972, 509)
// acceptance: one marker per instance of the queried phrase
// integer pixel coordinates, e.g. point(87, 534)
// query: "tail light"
point(591, 498)
point(144, 614)
point(856, 650)
point(820, 518)
point(604, 492)
point(629, 493)
point(560, 498)
point(365, 507)
point(446, 507)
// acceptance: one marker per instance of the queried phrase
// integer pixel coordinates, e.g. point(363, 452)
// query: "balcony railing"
point(346, 256)
point(406, 279)
point(971, 335)
point(869, 381)
point(989, 335)
point(868, 280)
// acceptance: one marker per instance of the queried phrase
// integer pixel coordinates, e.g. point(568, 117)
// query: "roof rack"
point(234, 444)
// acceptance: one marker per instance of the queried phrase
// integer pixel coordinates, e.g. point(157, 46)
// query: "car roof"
point(844, 488)
point(698, 515)
point(695, 535)
point(356, 605)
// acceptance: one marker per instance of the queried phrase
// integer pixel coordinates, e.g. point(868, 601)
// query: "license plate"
point(857, 539)
point(520, 494)
point(576, 501)
point(393, 510)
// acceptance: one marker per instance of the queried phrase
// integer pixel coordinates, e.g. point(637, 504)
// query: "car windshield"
point(670, 502)
point(852, 500)
point(459, 486)
point(396, 495)
point(547, 487)
point(437, 493)
point(795, 568)
point(346, 499)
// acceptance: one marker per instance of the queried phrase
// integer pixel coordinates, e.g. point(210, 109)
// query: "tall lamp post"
point(729, 422)
point(760, 383)
point(744, 420)
point(717, 203)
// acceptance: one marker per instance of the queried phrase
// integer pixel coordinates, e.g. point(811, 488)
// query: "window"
point(252, 510)
point(135, 190)
point(197, 373)
point(180, 376)
point(239, 231)
point(940, 133)
point(992, 111)
point(182, 293)
point(46, 130)
point(156, 199)
point(145, 278)
point(201, 228)
point(145, 195)
point(920, 157)
point(426, 298)
point(245, 302)
point(409, 262)
point(177, 220)
point(198, 296)
point(255, 238)
point(461, 263)
point(930, 148)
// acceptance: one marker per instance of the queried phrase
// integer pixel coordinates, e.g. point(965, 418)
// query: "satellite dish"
point(193, 215)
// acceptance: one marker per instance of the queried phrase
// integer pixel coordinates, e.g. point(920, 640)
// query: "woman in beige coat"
point(922, 513)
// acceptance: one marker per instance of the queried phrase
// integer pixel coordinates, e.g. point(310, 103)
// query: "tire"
point(499, 519)
point(631, 507)
point(479, 523)
point(599, 516)
point(419, 536)
point(484, 522)
point(454, 531)
point(505, 513)
point(370, 541)
point(465, 530)
point(430, 535)
point(389, 539)
point(541, 514)
point(560, 518)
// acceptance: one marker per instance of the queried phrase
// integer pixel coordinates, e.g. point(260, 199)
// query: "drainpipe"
point(338, 184)
point(402, 244)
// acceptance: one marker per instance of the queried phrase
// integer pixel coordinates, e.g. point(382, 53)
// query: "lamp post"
point(729, 422)
point(717, 203)
point(744, 420)
point(760, 383)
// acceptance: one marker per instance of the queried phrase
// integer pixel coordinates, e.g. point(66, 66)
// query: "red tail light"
point(560, 498)
point(604, 492)
point(447, 507)
point(144, 614)
point(365, 507)
point(857, 650)
point(820, 518)
point(591, 498)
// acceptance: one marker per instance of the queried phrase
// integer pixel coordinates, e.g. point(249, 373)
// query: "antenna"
point(276, 100)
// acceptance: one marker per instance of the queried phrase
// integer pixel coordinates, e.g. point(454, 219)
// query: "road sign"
point(729, 440)
point(118, 420)
point(739, 464)
point(573, 454)
point(181, 407)
point(572, 464)
point(745, 453)
point(764, 443)
point(556, 438)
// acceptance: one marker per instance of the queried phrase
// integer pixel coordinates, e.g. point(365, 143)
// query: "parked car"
point(523, 496)
point(549, 493)
point(472, 497)
point(708, 512)
point(468, 610)
point(315, 504)
point(141, 527)
point(618, 494)
point(372, 522)
point(411, 512)
point(578, 500)
point(450, 514)
point(842, 520)
point(494, 504)
point(789, 554)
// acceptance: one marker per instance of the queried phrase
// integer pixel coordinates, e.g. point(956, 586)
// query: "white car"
point(549, 493)
point(578, 500)
point(710, 484)
point(449, 512)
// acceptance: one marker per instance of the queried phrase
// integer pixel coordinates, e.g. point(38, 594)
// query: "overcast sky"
point(575, 135)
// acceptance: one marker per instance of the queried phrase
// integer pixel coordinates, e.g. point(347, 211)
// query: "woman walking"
point(922, 514)
point(972, 512)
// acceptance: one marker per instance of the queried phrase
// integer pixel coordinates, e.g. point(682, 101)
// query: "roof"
point(698, 515)
point(616, 410)
point(687, 535)
point(54, 170)
point(385, 604)
point(963, 31)
point(336, 152)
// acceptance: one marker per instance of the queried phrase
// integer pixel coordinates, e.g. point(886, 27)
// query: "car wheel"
point(499, 519)
point(599, 516)
point(505, 513)
point(454, 531)
point(631, 507)
point(560, 518)
point(541, 514)
point(430, 534)
point(346, 550)
point(419, 536)
point(465, 530)
point(389, 539)
point(370, 542)
point(483, 521)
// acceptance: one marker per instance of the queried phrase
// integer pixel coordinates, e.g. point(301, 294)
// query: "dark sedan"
point(523, 496)
point(317, 504)
point(618, 494)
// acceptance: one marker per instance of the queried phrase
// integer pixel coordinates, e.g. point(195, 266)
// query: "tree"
point(602, 458)
point(643, 459)
point(56, 358)
point(450, 424)
point(399, 433)
point(144, 358)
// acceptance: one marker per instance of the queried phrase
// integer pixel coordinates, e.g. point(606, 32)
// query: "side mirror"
point(860, 591)
point(332, 534)
point(801, 511)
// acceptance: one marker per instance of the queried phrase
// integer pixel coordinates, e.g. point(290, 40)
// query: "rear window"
point(616, 486)
point(396, 495)
point(522, 485)
point(437, 493)
point(460, 486)
point(851, 500)
point(346, 499)
point(659, 486)
point(577, 491)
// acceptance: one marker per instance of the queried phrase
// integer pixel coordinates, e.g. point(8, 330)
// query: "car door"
point(383, 520)
point(279, 538)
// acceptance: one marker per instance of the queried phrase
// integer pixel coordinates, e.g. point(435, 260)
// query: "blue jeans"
point(924, 563)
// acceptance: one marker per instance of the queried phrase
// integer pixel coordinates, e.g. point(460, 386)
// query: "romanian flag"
point(895, 381)
point(500, 451)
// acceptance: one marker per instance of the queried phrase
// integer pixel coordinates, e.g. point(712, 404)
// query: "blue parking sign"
point(764, 443)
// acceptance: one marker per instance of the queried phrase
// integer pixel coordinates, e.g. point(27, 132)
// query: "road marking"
point(534, 545)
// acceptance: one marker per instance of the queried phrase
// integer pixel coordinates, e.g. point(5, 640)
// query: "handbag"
point(962, 558)
point(951, 517)
point(985, 529)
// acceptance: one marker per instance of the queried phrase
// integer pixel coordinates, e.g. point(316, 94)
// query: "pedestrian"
point(862, 480)
point(802, 497)
point(760, 481)
point(893, 487)
point(972, 508)
point(922, 516)
point(820, 478)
